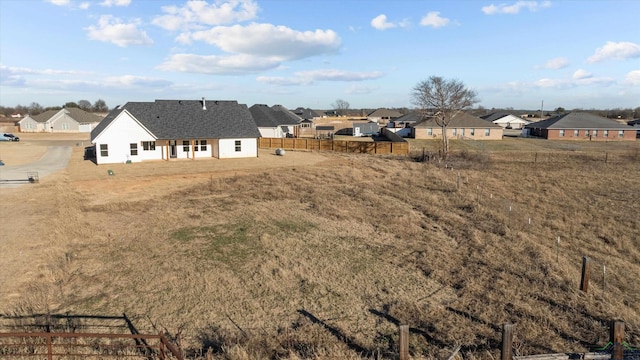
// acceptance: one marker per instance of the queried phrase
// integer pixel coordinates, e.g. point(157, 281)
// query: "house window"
point(134, 149)
point(203, 145)
point(196, 145)
point(238, 145)
point(595, 133)
point(586, 133)
point(487, 132)
point(65, 126)
point(472, 131)
point(454, 131)
point(605, 133)
point(462, 132)
point(621, 133)
point(185, 145)
point(104, 150)
point(148, 145)
point(561, 133)
point(305, 125)
point(576, 133)
point(429, 131)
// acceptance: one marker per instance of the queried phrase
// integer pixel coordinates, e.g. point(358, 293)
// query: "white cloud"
point(110, 3)
point(338, 75)
point(633, 77)
point(28, 71)
point(59, 2)
point(282, 81)
point(380, 22)
point(556, 63)
point(84, 5)
point(196, 13)
point(219, 65)
point(615, 50)
point(433, 19)
point(309, 77)
point(135, 81)
point(574, 82)
point(268, 40)
point(361, 89)
point(582, 74)
point(516, 7)
point(113, 30)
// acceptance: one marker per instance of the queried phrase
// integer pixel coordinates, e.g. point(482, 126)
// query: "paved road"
point(55, 159)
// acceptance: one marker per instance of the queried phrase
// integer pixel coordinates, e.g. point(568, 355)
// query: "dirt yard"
point(26, 246)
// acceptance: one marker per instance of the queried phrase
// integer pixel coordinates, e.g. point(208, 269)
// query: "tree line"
point(35, 108)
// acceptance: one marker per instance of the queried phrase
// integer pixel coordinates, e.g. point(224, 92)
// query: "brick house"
point(580, 126)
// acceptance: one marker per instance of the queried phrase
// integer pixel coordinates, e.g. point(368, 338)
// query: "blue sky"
point(571, 54)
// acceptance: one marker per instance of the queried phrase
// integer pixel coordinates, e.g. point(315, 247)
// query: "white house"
point(65, 120)
point(506, 120)
point(175, 129)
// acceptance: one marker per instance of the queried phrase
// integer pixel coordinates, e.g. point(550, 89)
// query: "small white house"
point(175, 129)
point(506, 120)
point(65, 120)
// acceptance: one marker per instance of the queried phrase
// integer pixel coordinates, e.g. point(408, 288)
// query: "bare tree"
point(84, 105)
point(341, 106)
point(35, 108)
point(444, 100)
point(100, 106)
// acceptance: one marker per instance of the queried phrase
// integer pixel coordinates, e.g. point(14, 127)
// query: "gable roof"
point(578, 120)
point(294, 118)
point(76, 114)
point(385, 113)
point(265, 116)
point(496, 115)
point(187, 119)
point(464, 120)
point(307, 113)
point(411, 117)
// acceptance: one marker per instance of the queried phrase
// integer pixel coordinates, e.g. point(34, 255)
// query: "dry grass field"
point(322, 255)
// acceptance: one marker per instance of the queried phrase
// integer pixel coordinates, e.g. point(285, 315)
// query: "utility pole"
point(541, 107)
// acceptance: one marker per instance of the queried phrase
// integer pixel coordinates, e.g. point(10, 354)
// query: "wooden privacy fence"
point(365, 147)
point(50, 346)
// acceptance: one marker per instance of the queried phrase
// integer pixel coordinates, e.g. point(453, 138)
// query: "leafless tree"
point(84, 105)
point(444, 100)
point(100, 106)
point(341, 106)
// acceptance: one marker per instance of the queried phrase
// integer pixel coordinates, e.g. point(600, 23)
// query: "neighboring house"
point(580, 126)
point(340, 125)
point(635, 123)
point(462, 126)
point(402, 125)
point(275, 122)
point(176, 129)
point(65, 120)
point(307, 114)
point(383, 116)
point(506, 120)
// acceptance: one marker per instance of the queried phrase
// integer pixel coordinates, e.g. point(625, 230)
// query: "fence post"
point(404, 342)
point(584, 280)
point(49, 348)
point(507, 342)
point(617, 339)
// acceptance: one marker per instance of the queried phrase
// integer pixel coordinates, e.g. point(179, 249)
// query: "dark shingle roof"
point(265, 116)
point(578, 120)
point(496, 115)
point(463, 120)
point(385, 113)
point(307, 113)
point(411, 117)
point(186, 119)
point(82, 116)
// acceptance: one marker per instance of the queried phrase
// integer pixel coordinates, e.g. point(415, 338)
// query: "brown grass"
point(322, 256)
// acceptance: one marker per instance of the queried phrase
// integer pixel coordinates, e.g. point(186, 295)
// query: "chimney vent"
point(204, 105)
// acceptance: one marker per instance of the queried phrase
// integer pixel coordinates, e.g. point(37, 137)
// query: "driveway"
point(55, 159)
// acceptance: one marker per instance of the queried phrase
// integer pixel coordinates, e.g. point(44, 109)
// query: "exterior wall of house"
point(237, 148)
point(590, 135)
point(119, 136)
point(459, 133)
point(28, 124)
point(62, 122)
